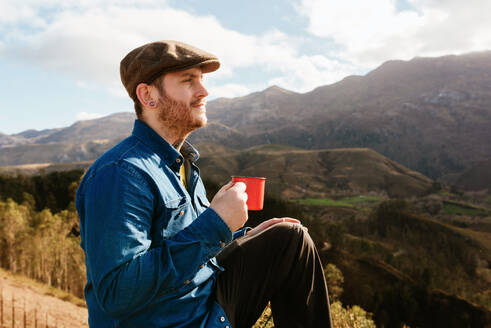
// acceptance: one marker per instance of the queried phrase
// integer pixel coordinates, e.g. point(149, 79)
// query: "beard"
point(179, 117)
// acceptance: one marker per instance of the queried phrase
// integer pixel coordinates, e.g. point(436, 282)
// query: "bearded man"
point(158, 254)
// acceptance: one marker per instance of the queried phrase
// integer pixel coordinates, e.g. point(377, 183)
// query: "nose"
point(201, 92)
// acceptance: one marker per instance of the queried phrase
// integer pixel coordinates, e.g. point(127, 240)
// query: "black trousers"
point(281, 265)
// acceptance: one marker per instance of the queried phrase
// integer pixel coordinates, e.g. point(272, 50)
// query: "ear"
point(147, 95)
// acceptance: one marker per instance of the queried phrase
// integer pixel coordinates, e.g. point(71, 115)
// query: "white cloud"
point(14, 12)
point(88, 43)
point(86, 40)
point(370, 32)
point(304, 73)
point(228, 90)
point(118, 91)
point(82, 84)
point(81, 116)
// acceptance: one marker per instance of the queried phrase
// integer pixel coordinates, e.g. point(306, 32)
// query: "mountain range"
point(432, 115)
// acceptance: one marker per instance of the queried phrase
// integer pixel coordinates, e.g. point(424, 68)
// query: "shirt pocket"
point(176, 216)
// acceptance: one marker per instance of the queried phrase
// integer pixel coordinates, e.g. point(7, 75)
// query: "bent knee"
point(289, 229)
point(291, 236)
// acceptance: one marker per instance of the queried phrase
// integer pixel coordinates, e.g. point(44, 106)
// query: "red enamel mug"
point(254, 191)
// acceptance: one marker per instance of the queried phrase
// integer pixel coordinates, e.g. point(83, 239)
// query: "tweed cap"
point(146, 63)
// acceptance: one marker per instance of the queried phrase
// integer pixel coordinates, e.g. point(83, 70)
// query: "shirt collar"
point(189, 152)
point(161, 147)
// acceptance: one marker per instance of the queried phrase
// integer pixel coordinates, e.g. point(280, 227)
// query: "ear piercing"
point(151, 103)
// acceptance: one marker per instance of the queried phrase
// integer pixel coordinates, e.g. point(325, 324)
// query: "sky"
point(59, 60)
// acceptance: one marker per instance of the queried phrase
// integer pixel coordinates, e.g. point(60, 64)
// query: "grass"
point(455, 209)
point(481, 237)
point(354, 201)
point(41, 288)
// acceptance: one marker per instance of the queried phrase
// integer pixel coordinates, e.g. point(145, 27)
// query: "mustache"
point(198, 102)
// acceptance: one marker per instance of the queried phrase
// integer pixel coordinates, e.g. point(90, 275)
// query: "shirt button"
point(187, 282)
point(201, 266)
point(178, 160)
point(222, 319)
point(227, 327)
point(222, 244)
point(181, 213)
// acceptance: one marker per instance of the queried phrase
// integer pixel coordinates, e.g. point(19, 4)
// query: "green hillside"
point(295, 173)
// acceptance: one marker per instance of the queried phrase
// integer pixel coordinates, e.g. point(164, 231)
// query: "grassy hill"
point(32, 169)
point(37, 302)
point(298, 173)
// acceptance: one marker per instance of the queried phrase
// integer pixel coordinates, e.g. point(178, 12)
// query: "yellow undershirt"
point(182, 173)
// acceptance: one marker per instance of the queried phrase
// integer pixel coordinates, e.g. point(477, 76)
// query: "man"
point(158, 254)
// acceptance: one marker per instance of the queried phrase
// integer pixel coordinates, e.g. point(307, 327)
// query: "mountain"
point(114, 126)
point(33, 136)
point(6, 140)
point(477, 177)
point(432, 115)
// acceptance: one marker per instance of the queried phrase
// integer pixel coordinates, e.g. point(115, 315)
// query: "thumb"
point(224, 188)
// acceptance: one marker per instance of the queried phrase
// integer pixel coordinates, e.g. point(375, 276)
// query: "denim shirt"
point(149, 243)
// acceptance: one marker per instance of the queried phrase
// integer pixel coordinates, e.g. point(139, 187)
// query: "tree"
point(335, 280)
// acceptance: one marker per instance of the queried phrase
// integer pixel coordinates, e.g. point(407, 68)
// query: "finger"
point(287, 219)
point(241, 186)
point(229, 185)
point(292, 220)
point(224, 188)
point(269, 223)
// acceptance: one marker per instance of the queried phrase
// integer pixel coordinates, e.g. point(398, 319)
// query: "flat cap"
point(146, 63)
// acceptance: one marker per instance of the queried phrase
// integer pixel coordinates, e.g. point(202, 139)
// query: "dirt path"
point(37, 304)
